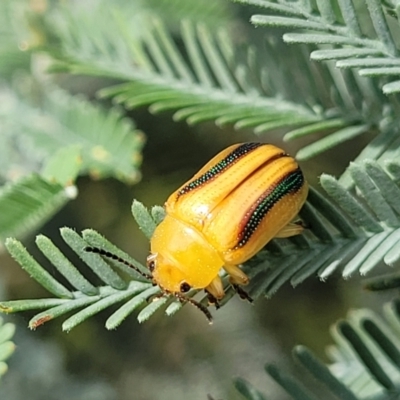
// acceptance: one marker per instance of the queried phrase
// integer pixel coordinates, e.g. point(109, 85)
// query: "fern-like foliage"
point(84, 295)
point(372, 49)
point(158, 75)
point(7, 347)
point(203, 76)
point(355, 235)
point(48, 137)
point(364, 361)
point(11, 32)
point(65, 138)
point(212, 14)
point(356, 40)
point(384, 149)
point(29, 201)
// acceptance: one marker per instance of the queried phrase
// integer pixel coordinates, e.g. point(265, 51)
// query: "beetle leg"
point(291, 229)
point(242, 293)
point(215, 291)
point(212, 301)
point(237, 276)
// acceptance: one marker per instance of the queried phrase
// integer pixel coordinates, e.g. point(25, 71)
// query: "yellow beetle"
point(246, 195)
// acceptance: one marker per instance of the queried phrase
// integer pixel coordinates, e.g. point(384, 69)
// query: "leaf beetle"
point(246, 195)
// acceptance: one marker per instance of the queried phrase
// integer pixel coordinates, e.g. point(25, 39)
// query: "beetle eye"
point(185, 287)
point(151, 265)
point(151, 262)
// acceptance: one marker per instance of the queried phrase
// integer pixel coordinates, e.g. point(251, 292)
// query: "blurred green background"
point(180, 357)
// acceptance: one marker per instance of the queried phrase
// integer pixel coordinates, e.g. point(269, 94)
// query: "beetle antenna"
point(195, 303)
point(112, 256)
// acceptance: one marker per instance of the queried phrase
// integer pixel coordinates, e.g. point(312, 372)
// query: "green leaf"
point(247, 390)
point(110, 145)
point(379, 71)
point(349, 15)
point(202, 76)
point(143, 218)
point(314, 128)
point(263, 20)
point(350, 204)
point(383, 282)
point(372, 195)
point(123, 312)
point(313, 38)
point(392, 87)
point(382, 149)
point(7, 347)
point(150, 309)
point(21, 255)
point(29, 202)
point(337, 54)
point(368, 359)
point(157, 213)
point(322, 373)
point(94, 261)
point(345, 35)
point(364, 362)
point(273, 6)
point(96, 240)
point(68, 136)
point(367, 62)
point(292, 386)
point(64, 166)
point(59, 310)
point(381, 27)
point(196, 81)
point(101, 304)
point(64, 266)
point(89, 298)
point(15, 55)
point(209, 13)
point(14, 306)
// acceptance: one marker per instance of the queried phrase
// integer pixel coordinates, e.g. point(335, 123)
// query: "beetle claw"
point(216, 304)
point(212, 300)
point(242, 293)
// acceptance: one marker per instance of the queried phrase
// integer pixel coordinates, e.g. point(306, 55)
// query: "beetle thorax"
point(181, 254)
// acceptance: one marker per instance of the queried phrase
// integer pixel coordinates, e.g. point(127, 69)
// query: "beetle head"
point(166, 275)
point(151, 263)
point(172, 281)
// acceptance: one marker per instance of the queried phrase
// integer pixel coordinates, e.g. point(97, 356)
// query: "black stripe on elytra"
point(220, 167)
point(289, 184)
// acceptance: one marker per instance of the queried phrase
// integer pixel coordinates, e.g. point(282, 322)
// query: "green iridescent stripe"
point(220, 167)
point(289, 184)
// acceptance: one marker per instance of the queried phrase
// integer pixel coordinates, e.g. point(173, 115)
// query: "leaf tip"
point(326, 179)
point(111, 327)
point(6, 309)
point(300, 349)
point(36, 322)
point(10, 241)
